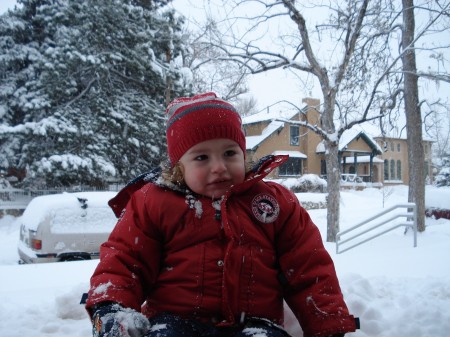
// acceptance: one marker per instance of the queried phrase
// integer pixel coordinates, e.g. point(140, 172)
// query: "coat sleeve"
point(129, 259)
point(312, 289)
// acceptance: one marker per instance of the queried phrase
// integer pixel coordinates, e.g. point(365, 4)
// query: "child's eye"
point(201, 157)
point(230, 153)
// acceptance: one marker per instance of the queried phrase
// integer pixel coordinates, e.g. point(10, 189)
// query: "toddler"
point(205, 247)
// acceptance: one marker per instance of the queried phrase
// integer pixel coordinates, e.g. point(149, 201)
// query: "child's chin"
point(217, 194)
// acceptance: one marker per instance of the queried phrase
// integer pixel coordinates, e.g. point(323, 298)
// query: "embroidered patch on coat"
point(265, 208)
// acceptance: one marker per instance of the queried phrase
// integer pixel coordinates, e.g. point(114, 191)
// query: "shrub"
point(443, 178)
point(306, 183)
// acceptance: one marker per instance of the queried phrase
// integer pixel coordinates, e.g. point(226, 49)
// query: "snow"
point(253, 141)
point(396, 289)
point(291, 154)
point(66, 207)
point(439, 198)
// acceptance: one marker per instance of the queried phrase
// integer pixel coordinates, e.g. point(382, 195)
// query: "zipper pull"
point(218, 215)
point(216, 205)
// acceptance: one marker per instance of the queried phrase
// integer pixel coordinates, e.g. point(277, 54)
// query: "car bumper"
point(27, 255)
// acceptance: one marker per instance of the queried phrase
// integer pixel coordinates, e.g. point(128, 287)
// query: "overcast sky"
point(5, 4)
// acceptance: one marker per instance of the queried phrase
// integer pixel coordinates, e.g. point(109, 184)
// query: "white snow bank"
point(396, 289)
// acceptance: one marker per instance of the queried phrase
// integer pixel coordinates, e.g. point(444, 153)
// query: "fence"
point(13, 198)
point(353, 238)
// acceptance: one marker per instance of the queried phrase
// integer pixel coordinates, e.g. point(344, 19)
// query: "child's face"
point(211, 167)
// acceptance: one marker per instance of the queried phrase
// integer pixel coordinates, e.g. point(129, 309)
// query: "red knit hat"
point(192, 120)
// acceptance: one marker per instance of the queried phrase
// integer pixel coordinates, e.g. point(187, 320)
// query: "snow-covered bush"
point(309, 183)
point(443, 178)
point(4, 184)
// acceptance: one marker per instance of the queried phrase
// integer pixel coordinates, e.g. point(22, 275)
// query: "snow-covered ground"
point(396, 289)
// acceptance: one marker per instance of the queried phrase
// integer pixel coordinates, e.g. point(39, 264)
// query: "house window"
point(323, 167)
point(392, 146)
point(398, 147)
point(386, 169)
point(399, 170)
point(295, 135)
point(292, 167)
point(392, 169)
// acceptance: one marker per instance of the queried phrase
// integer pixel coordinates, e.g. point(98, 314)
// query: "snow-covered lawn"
point(395, 289)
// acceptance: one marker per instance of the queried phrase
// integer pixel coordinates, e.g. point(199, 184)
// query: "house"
point(395, 159)
point(364, 156)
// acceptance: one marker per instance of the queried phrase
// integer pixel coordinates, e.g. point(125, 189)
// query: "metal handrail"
point(411, 221)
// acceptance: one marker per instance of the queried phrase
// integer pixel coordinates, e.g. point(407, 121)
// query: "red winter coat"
point(222, 261)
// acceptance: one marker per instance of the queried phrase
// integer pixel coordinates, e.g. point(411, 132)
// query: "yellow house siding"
point(358, 145)
point(312, 139)
point(312, 164)
point(255, 129)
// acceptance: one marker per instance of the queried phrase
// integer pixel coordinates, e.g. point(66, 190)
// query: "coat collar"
point(265, 166)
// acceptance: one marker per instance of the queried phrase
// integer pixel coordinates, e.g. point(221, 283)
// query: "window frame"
point(292, 141)
point(292, 167)
point(386, 169)
point(399, 169)
point(392, 170)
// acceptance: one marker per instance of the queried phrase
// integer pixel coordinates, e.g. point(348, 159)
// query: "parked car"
point(65, 227)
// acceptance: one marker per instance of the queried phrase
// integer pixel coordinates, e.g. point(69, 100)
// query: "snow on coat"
point(221, 261)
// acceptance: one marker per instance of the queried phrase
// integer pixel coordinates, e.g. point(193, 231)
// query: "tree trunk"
point(416, 158)
point(333, 183)
point(331, 159)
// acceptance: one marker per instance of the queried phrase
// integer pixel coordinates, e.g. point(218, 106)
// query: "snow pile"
point(396, 289)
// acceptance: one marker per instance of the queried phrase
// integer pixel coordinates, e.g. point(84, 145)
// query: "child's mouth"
point(219, 183)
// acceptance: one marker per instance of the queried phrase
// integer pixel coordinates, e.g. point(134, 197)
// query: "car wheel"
point(74, 258)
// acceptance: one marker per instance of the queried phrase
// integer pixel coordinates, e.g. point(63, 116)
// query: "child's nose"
point(218, 165)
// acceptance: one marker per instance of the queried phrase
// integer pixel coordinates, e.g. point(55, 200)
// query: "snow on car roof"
point(40, 206)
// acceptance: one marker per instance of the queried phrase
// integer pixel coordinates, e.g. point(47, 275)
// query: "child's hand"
point(112, 320)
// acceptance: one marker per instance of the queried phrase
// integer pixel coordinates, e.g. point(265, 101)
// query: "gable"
point(356, 140)
point(254, 141)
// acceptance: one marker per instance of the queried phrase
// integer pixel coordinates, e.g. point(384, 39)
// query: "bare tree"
point(386, 192)
point(412, 104)
point(349, 33)
point(416, 191)
point(437, 126)
point(209, 71)
point(346, 51)
point(246, 105)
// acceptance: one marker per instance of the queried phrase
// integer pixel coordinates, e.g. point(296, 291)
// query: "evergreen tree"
point(84, 86)
point(443, 178)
